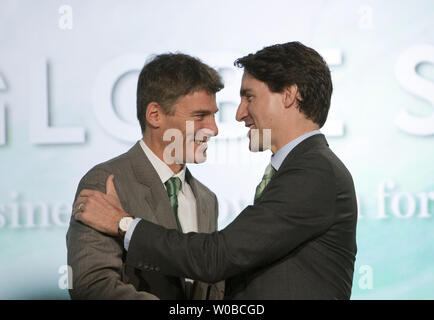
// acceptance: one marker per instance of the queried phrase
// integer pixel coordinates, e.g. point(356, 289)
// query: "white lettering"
point(366, 281)
point(2, 217)
point(14, 212)
point(174, 151)
point(405, 70)
point(65, 20)
point(366, 20)
point(65, 281)
point(424, 199)
point(186, 310)
point(381, 198)
point(102, 97)
point(40, 130)
point(333, 127)
point(3, 129)
point(31, 213)
point(411, 205)
point(60, 214)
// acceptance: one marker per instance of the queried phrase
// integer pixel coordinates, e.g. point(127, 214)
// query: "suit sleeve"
point(95, 258)
point(297, 206)
point(217, 290)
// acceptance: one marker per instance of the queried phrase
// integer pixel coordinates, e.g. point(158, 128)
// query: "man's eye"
point(249, 98)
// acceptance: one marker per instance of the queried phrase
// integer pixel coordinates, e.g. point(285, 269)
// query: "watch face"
point(124, 223)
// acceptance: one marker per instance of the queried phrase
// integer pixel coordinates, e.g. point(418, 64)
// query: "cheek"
point(276, 104)
point(264, 114)
point(169, 124)
point(258, 110)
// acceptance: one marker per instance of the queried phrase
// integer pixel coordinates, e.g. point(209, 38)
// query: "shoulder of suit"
point(101, 171)
point(322, 158)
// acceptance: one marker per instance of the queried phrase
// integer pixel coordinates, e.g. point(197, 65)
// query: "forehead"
point(198, 100)
point(249, 82)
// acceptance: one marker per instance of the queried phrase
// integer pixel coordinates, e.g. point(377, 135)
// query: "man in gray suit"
point(172, 90)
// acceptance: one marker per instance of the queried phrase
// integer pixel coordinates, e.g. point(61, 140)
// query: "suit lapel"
point(154, 192)
point(202, 204)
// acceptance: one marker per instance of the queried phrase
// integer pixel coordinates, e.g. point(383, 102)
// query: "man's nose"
point(241, 112)
point(213, 126)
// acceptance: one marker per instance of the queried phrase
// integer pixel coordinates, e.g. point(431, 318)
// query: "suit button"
point(157, 269)
point(140, 265)
point(146, 267)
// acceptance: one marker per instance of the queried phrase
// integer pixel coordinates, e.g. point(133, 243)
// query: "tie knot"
point(172, 186)
point(269, 172)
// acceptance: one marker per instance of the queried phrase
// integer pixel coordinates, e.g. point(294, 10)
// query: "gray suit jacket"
point(98, 260)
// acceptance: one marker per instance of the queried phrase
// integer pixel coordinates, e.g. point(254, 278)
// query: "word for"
point(402, 204)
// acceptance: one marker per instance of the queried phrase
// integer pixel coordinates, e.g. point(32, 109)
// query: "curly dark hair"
point(282, 65)
point(167, 77)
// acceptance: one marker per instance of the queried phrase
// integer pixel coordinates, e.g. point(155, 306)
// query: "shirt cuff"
point(129, 233)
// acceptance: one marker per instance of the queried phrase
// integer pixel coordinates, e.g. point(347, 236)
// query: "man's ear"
point(154, 114)
point(291, 96)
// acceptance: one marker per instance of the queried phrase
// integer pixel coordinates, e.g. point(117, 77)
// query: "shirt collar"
point(282, 153)
point(163, 170)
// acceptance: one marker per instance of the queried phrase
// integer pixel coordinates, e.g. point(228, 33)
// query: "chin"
point(200, 157)
point(200, 154)
point(200, 160)
point(255, 148)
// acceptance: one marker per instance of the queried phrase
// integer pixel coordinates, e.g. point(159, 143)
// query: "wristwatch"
point(123, 225)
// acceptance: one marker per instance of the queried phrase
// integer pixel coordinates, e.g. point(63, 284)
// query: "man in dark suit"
point(172, 89)
point(298, 239)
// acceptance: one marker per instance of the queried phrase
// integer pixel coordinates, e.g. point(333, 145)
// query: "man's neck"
point(290, 135)
point(158, 149)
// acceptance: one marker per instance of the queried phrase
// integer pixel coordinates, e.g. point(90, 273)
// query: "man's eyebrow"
point(245, 91)
point(204, 112)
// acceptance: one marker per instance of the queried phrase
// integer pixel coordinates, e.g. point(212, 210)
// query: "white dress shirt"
point(187, 213)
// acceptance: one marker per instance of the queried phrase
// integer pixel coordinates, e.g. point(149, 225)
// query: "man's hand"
point(98, 210)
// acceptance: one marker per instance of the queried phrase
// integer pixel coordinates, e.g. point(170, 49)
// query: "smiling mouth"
point(251, 126)
point(201, 142)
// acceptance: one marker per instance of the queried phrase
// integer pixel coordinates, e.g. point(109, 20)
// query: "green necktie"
point(172, 186)
point(269, 172)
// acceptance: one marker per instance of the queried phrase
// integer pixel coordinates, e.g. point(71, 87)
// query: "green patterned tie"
point(269, 172)
point(172, 186)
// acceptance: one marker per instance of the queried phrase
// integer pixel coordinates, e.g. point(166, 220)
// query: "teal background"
point(367, 97)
